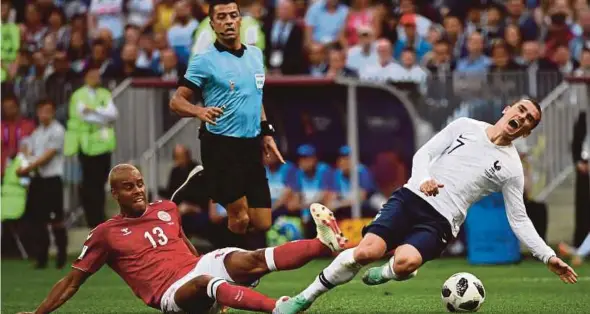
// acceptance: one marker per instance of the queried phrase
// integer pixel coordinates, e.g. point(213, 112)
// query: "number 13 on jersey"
point(160, 235)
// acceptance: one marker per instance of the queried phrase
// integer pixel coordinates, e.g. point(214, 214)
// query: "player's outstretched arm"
point(62, 291)
point(527, 234)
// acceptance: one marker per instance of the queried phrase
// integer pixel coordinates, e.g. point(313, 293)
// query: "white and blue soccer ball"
point(463, 292)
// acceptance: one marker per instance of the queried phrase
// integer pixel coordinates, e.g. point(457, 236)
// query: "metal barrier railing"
point(549, 146)
point(481, 96)
point(144, 136)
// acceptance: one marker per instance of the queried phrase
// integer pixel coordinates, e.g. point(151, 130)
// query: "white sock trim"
point(212, 286)
point(387, 269)
point(584, 249)
point(270, 258)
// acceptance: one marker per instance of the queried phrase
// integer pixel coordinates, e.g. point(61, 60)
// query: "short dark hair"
point(90, 67)
point(99, 42)
point(219, 2)
point(45, 101)
point(409, 49)
point(9, 97)
point(133, 26)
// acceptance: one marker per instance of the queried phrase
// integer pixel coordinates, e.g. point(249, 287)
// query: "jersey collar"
point(238, 53)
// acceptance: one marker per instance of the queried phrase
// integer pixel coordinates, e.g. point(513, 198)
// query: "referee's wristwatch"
point(267, 129)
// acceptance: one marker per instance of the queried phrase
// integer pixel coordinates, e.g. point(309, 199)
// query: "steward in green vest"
point(91, 136)
point(91, 116)
point(14, 190)
point(250, 32)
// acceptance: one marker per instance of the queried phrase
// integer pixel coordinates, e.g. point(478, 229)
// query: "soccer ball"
point(463, 292)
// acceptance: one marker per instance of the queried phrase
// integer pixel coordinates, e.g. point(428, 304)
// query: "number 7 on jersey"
point(457, 145)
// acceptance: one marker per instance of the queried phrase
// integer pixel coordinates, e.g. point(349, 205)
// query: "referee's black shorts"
point(233, 169)
point(45, 200)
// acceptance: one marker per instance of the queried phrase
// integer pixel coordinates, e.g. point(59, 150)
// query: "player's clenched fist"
point(209, 114)
point(430, 187)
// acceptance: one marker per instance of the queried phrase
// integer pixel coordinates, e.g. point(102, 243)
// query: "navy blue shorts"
point(408, 219)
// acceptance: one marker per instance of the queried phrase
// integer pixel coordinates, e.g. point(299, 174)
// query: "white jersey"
point(470, 166)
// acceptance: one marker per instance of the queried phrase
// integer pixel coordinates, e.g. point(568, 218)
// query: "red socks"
point(295, 254)
point(243, 298)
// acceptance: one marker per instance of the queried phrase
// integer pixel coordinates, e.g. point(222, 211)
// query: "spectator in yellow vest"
point(91, 136)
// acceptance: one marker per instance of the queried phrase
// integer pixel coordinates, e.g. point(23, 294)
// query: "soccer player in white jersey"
point(464, 162)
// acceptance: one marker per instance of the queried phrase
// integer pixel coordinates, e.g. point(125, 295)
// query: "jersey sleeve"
point(198, 72)
point(520, 223)
point(295, 181)
point(327, 180)
point(291, 177)
point(434, 147)
point(94, 252)
point(56, 139)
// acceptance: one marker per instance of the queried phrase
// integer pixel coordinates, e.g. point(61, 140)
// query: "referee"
point(230, 77)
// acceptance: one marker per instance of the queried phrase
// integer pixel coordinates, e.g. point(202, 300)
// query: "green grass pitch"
point(525, 288)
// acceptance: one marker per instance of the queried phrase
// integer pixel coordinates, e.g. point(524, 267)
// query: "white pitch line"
point(510, 279)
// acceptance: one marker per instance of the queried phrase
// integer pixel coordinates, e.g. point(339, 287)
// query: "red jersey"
point(148, 252)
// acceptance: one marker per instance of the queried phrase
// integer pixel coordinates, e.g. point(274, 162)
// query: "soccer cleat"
point(577, 261)
point(327, 228)
point(286, 305)
point(374, 276)
point(191, 174)
point(566, 250)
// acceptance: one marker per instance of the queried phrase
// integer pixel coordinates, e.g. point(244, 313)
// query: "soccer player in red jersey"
point(146, 246)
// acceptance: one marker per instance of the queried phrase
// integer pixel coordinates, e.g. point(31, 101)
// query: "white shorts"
point(211, 264)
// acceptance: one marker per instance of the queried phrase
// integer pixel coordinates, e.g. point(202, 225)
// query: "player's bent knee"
point(371, 248)
point(367, 254)
point(201, 282)
point(405, 264)
point(261, 224)
point(239, 224)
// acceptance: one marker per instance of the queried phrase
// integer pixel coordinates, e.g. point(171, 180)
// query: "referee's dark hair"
point(219, 2)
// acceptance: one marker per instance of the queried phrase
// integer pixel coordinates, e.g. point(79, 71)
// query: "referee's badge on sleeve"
point(259, 80)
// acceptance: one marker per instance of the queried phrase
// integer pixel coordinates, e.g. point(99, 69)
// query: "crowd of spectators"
point(449, 51)
point(51, 41)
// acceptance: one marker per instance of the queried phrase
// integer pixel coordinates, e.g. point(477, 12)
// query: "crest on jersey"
point(259, 80)
point(164, 216)
point(492, 170)
point(125, 231)
point(232, 85)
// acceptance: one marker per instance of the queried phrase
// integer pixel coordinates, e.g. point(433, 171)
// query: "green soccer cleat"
point(373, 276)
point(294, 305)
